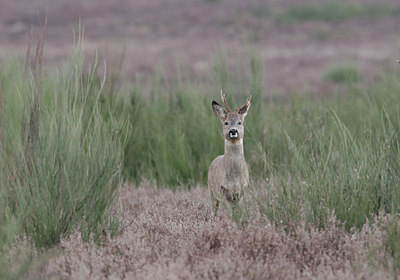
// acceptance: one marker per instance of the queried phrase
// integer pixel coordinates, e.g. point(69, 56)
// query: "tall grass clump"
point(340, 156)
point(170, 136)
point(61, 161)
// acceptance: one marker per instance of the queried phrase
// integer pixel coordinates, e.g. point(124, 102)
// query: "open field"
point(298, 41)
point(103, 165)
point(324, 176)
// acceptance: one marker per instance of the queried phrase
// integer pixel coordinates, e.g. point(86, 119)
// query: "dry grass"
point(174, 236)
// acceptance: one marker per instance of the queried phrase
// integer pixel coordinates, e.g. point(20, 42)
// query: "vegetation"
point(65, 144)
point(335, 11)
point(61, 162)
point(339, 154)
point(327, 11)
point(172, 235)
point(175, 135)
point(342, 74)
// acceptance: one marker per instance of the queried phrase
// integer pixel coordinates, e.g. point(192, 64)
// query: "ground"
point(171, 32)
point(166, 235)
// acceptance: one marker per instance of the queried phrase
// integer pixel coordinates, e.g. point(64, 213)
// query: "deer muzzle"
point(233, 134)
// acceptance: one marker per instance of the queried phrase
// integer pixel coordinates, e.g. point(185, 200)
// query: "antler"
point(247, 104)
point(226, 103)
point(248, 99)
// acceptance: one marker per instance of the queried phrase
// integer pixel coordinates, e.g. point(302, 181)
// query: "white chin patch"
point(233, 135)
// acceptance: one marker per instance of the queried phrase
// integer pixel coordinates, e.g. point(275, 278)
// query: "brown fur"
point(228, 176)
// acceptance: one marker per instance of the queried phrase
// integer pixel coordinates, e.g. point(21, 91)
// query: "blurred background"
point(305, 45)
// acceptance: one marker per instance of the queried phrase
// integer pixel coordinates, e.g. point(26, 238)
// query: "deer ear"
point(245, 108)
point(218, 110)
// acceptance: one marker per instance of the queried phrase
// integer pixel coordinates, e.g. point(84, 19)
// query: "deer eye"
point(225, 123)
point(239, 123)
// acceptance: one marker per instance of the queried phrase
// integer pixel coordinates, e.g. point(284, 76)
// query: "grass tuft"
point(342, 74)
point(335, 11)
point(62, 164)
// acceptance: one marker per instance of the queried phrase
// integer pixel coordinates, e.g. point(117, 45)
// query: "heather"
point(167, 235)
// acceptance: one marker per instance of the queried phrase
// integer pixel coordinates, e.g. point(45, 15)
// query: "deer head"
point(232, 121)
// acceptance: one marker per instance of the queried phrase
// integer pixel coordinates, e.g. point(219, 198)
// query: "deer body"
point(228, 176)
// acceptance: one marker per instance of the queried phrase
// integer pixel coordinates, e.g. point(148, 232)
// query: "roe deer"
point(228, 176)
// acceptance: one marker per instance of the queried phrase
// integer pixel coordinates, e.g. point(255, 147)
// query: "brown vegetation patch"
point(168, 235)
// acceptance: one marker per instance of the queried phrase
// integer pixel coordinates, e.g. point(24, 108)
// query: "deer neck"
point(234, 150)
point(234, 157)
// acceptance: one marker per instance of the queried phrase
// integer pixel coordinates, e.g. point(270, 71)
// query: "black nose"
point(233, 133)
